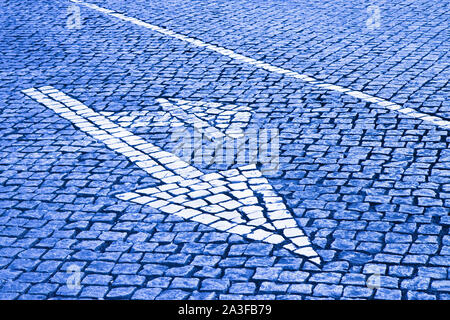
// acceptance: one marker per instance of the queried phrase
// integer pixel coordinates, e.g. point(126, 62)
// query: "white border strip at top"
point(271, 68)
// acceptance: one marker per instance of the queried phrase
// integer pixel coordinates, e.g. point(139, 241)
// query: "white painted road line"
point(271, 68)
point(239, 201)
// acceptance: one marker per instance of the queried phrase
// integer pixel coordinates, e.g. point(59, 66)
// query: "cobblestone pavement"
point(367, 184)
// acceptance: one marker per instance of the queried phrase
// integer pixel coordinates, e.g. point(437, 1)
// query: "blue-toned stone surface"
point(370, 186)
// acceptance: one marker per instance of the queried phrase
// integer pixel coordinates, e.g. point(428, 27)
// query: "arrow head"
point(239, 201)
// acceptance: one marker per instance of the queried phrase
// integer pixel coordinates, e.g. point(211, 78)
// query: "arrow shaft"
point(161, 165)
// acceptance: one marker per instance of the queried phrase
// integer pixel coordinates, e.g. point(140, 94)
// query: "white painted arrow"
point(239, 201)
